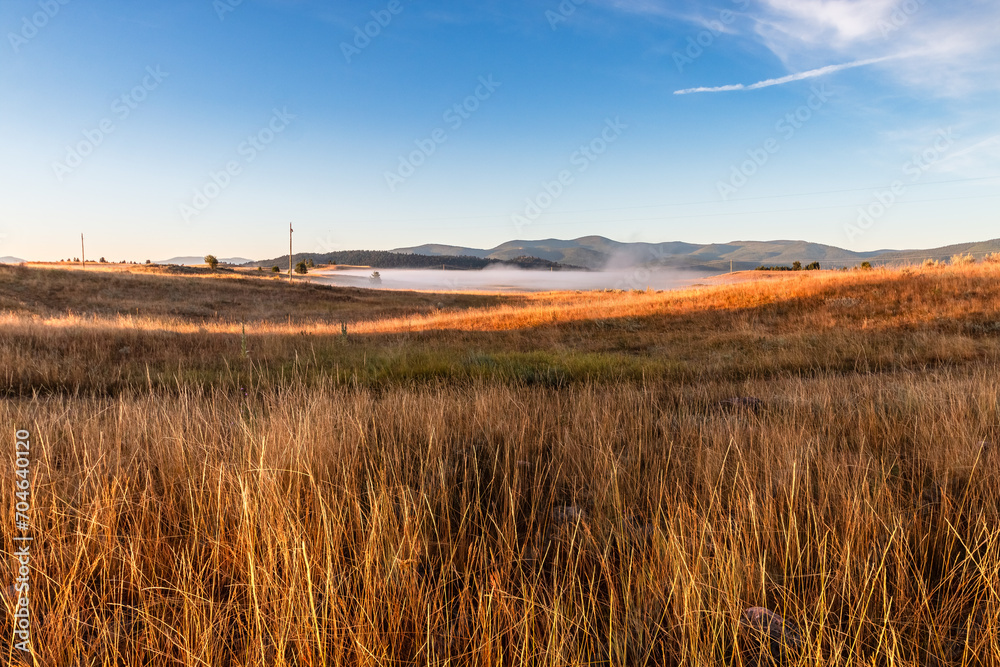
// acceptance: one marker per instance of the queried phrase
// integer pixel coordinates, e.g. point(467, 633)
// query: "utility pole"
point(290, 252)
point(83, 254)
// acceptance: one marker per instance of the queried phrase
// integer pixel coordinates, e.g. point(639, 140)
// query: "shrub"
point(814, 266)
point(992, 258)
point(931, 263)
point(212, 262)
point(376, 278)
point(796, 266)
point(310, 263)
point(275, 269)
point(866, 266)
point(962, 260)
point(301, 268)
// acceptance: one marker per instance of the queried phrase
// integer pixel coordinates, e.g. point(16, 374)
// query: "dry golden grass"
point(575, 488)
point(164, 296)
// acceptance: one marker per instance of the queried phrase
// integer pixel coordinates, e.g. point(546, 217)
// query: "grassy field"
point(223, 476)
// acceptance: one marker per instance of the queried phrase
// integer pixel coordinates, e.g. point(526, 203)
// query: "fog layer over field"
point(510, 279)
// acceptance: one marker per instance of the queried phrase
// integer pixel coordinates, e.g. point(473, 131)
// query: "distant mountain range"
point(191, 261)
point(597, 252)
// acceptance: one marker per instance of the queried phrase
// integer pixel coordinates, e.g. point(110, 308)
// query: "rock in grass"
point(568, 514)
point(772, 639)
point(930, 497)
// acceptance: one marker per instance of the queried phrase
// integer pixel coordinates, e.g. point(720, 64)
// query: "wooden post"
point(83, 253)
point(290, 252)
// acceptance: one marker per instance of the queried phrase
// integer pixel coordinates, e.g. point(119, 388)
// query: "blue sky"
point(191, 126)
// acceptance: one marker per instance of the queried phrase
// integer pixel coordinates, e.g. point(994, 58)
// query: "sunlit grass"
point(558, 479)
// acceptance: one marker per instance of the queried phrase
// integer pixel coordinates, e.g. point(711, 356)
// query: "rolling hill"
point(384, 259)
point(192, 261)
point(597, 252)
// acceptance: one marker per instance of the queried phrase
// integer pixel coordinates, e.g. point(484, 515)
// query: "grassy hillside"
point(548, 479)
point(193, 295)
point(798, 323)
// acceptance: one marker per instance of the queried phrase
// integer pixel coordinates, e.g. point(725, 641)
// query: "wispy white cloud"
point(799, 76)
point(836, 23)
point(954, 47)
point(979, 158)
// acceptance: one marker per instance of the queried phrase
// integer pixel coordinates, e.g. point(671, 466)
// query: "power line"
point(778, 210)
point(691, 203)
point(923, 254)
point(785, 196)
point(893, 256)
point(728, 213)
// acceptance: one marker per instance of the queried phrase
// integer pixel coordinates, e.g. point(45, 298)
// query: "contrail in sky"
point(829, 69)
